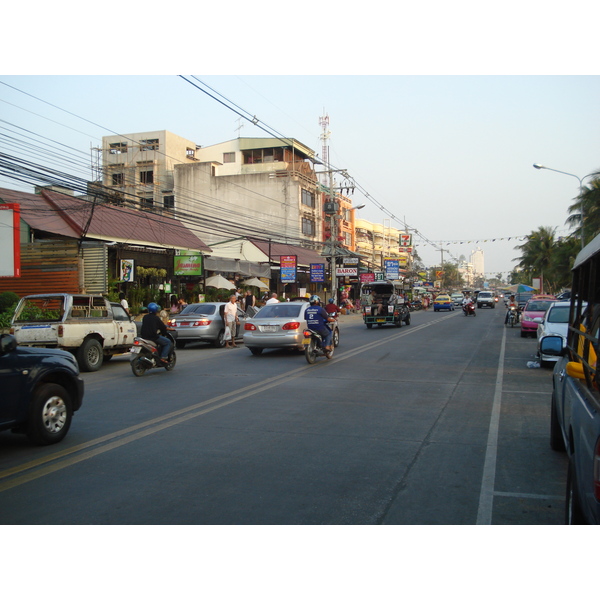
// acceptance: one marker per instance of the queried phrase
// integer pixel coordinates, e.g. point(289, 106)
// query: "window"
point(190, 152)
point(147, 177)
point(148, 145)
point(146, 202)
point(169, 202)
point(117, 148)
point(228, 157)
point(308, 198)
point(308, 226)
point(117, 178)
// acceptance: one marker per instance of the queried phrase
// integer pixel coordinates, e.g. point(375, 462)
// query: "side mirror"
point(538, 320)
point(8, 343)
point(552, 345)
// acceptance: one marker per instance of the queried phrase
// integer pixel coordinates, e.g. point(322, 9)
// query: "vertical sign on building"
point(288, 268)
point(10, 240)
point(317, 273)
point(127, 272)
point(392, 268)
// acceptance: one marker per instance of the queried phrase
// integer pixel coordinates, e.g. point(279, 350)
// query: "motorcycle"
point(513, 316)
point(415, 305)
point(145, 355)
point(469, 309)
point(313, 346)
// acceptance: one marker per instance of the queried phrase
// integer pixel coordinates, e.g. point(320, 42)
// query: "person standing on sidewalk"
point(231, 320)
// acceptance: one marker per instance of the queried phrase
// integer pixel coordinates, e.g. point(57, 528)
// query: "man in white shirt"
point(273, 299)
point(231, 320)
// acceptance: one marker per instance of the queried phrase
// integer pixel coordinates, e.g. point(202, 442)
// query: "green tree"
point(536, 253)
point(589, 198)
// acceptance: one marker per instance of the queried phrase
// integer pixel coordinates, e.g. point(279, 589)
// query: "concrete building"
point(139, 167)
point(376, 242)
point(263, 187)
point(477, 261)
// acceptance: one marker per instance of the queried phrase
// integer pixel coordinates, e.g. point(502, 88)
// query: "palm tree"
point(536, 252)
point(589, 198)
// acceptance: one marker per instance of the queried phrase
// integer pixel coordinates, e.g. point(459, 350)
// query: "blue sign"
point(317, 273)
point(392, 268)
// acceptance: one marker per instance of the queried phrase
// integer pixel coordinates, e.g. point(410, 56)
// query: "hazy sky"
point(450, 155)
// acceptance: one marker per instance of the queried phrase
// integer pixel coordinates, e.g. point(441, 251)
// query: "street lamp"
point(580, 179)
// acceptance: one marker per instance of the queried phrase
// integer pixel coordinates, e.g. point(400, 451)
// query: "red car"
point(536, 307)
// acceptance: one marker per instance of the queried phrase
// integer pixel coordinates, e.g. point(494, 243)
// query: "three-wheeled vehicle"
point(387, 307)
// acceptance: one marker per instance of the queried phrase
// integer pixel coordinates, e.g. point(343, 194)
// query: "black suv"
point(486, 299)
point(40, 391)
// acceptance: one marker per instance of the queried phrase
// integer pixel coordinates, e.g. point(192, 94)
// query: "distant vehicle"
point(535, 308)
point(203, 322)
point(280, 325)
point(443, 302)
point(457, 298)
point(575, 408)
point(393, 311)
point(41, 389)
point(486, 299)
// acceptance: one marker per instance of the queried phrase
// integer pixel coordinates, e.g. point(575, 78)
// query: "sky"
point(444, 142)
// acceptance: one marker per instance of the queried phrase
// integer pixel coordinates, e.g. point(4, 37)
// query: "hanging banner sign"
point(317, 273)
point(127, 271)
point(392, 268)
point(187, 262)
point(288, 268)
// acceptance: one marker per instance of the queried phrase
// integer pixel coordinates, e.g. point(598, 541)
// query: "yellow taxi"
point(443, 302)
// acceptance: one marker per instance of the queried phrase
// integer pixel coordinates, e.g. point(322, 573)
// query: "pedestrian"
point(231, 320)
point(182, 304)
point(249, 300)
point(174, 304)
point(124, 302)
point(273, 299)
point(425, 302)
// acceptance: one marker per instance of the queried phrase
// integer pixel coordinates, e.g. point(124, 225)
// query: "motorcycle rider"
point(512, 303)
point(466, 301)
point(332, 307)
point(317, 318)
point(154, 329)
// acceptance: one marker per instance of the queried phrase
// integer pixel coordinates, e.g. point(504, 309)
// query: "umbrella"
point(525, 288)
point(218, 281)
point(256, 282)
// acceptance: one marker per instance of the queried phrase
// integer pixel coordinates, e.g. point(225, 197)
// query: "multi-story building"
point(263, 187)
point(478, 262)
point(376, 242)
point(139, 167)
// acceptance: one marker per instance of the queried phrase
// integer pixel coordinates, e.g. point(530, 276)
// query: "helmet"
point(153, 307)
point(331, 300)
point(315, 299)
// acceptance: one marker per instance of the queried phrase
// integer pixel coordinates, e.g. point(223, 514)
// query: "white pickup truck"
point(89, 326)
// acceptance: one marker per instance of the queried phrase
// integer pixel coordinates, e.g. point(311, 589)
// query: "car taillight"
point(597, 471)
point(250, 327)
point(201, 323)
point(61, 330)
point(291, 326)
point(172, 323)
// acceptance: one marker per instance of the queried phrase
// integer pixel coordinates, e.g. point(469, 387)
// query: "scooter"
point(313, 346)
point(513, 316)
point(469, 309)
point(145, 355)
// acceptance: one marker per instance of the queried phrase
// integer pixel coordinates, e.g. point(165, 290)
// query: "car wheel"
point(256, 351)
point(573, 512)
point(523, 334)
point(369, 325)
point(220, 341)
point(407, 320)
point(556, 439)
point(180, 345)
point(89, 355)
point(50, 414)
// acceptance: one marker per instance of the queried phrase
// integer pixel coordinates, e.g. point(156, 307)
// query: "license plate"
point(305, 341)
point(135, 350)
point(380, 321)
point(269, 328)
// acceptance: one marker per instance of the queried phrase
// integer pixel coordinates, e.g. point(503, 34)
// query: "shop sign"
point(187, 262)
point(346, 271)
point(317, 273)
point(367, 277)
point(392, 269)
point(288, 268)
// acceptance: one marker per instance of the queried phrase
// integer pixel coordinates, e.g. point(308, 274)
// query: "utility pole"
point(330, 210)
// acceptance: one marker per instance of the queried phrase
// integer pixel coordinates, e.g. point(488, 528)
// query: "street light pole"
point(580, 179)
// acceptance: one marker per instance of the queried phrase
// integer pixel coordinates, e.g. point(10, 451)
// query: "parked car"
point(457, 298)
point(536, 307)
point(280, 325)
point(443, 302)
point(41, 389)
point(203, 322)
point(486, 299)
point(554, 323)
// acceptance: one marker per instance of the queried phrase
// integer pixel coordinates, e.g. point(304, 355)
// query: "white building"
point(478, 262)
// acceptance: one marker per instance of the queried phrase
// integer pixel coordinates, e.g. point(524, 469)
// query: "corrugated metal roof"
point(68, 216)
point(276, 250)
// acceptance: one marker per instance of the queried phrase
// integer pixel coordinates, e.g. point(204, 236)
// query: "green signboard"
point(187, 262)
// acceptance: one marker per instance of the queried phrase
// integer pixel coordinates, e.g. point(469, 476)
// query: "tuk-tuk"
point(386, 307)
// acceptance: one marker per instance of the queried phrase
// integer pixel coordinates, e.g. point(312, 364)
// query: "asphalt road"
point(439, 422)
